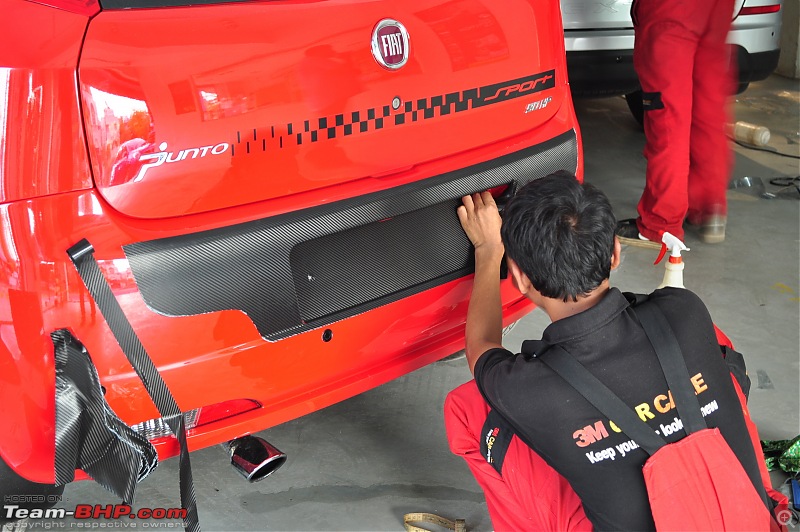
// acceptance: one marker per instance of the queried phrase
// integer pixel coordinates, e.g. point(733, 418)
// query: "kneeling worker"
point(578, 470)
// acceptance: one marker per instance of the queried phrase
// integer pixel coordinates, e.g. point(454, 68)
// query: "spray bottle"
point(673, 276)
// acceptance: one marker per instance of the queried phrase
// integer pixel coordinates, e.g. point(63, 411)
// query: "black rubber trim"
point(144, 4)
point(597, 73)
point(300, 270)
point(757, 66)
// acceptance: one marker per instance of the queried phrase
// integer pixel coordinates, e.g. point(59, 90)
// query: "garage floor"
point(363, 463)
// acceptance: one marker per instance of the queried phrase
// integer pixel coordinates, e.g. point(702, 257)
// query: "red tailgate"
point(192, 109)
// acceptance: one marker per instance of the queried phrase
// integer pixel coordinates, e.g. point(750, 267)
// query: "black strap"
point(82, 255)
point(602, 398)
point(669, 354)
point(672, 363)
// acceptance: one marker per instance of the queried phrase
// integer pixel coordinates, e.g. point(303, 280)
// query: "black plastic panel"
point(149, 4)
point(361, 253)
point(347, 269)
point(597, 73)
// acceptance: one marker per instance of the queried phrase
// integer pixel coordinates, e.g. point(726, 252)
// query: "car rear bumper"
point(601, 72)
point(299, 271)
point(755, 66)
point(610, 72)
point(211, 356)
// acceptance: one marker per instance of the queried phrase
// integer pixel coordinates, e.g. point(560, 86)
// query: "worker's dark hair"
point(561, 234)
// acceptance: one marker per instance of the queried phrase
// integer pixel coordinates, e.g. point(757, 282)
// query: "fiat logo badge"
point(390, 44)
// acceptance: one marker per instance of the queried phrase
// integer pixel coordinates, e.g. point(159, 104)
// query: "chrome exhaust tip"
point(255, 458)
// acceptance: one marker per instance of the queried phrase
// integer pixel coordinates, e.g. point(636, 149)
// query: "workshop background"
point(365, 462)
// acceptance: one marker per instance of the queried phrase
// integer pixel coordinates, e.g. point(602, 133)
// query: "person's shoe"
point(628, 233)
point(712, 229)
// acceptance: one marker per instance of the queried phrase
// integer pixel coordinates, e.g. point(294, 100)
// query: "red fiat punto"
point(269, 189)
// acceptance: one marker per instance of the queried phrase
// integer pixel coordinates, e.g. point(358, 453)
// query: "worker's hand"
point(481, 221)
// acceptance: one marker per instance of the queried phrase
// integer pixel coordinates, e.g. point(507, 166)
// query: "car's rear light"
point(219, 411)
point(760, 10)
point(88, 8)
point(497, 191)
point(158, 428)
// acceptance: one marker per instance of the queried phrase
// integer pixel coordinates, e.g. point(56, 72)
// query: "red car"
point(268, 187)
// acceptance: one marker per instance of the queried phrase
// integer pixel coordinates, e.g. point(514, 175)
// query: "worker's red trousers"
point(683, 64)
point(530, 495)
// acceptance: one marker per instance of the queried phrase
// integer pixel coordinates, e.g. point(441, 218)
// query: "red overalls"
point(683, 64)
point(530, 495)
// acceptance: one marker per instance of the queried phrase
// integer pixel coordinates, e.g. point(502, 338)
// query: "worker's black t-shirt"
point(600, 462)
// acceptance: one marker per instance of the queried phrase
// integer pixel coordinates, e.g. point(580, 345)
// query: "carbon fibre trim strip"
point(143, 4)
point(277, 269)
point(262, 139)
point(82, 256)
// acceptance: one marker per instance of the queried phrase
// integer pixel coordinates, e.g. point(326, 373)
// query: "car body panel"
point(130, 84)
point(42, 135)
point(246, 108)
point(757, 33)
point(596, 14)
point(204, 359)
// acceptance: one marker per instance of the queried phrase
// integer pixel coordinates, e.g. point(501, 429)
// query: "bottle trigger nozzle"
point(661, 253)
point(673, 275)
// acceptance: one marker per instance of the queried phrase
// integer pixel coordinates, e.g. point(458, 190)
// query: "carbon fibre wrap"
point(82, 256)
point(89, 435)
point(304, 269)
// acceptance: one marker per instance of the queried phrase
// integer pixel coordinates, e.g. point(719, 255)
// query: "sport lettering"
point(524, 87)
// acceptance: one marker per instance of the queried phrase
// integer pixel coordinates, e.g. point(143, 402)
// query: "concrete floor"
point(363, 463)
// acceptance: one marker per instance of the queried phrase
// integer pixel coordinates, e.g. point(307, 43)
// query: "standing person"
point(683, 64)
point(558, 236)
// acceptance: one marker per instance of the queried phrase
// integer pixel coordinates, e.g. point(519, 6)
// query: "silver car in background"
point(599, 41)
